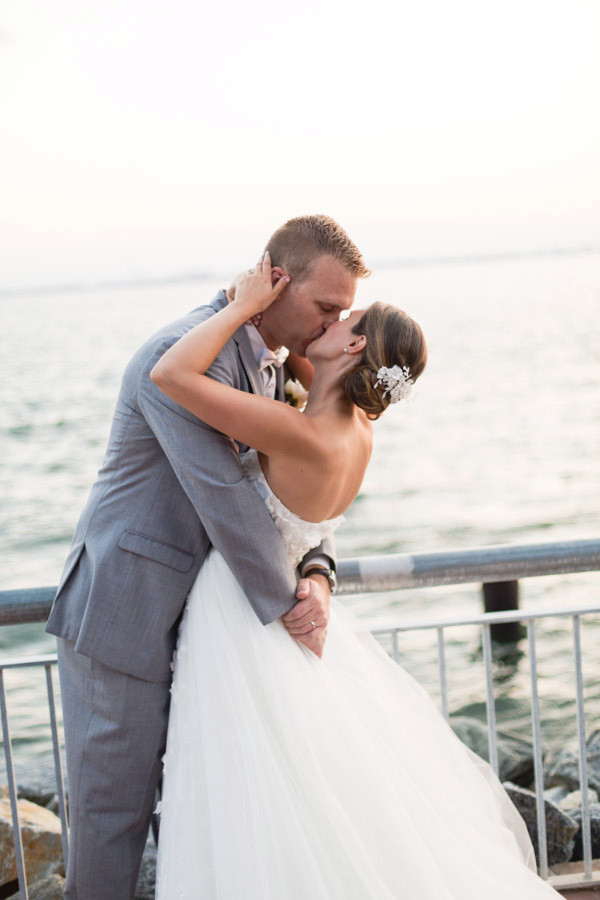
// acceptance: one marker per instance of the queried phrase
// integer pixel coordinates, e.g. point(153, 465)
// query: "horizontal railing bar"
point(501, 562)
point(511, 615)
point(395, 571)
point(18, 607)
point(21, 661)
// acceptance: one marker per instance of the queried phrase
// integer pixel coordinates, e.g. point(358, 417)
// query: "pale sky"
point(145, 139)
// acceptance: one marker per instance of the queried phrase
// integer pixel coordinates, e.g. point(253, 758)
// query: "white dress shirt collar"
point(263, 356)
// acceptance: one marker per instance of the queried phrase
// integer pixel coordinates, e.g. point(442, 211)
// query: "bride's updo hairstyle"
point(393, 339)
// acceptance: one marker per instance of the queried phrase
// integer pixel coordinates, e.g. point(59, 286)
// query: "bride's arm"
point(193, 354)
point(266, 425)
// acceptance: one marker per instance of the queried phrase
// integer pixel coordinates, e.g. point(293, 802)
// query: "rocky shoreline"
point(562, 795)
point(41, 832)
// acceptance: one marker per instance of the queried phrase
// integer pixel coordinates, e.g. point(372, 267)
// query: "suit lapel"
point(245, 352)
point(246, 355)
point(280, 383)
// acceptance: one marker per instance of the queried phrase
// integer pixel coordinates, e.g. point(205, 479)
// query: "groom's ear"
point(277, 274)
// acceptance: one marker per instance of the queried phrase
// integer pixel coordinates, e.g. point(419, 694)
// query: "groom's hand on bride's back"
point(307, 620)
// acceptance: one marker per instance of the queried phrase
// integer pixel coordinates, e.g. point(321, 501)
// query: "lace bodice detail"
point(299, 536)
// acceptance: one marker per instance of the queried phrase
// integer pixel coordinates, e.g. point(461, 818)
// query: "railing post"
point(538, 764)
point(60, 785)
point(442, 669)
point(489, 698)
point(395, 653)
point(583, 770)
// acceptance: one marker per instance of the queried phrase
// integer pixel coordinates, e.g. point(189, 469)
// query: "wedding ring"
point(313, 624)
point(250, 271)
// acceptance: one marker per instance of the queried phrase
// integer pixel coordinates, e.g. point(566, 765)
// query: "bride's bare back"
point(323, 476)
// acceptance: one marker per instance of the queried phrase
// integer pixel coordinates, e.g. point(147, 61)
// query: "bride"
point(294, 776)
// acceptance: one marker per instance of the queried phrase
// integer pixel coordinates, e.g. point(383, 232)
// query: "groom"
point(170, 488)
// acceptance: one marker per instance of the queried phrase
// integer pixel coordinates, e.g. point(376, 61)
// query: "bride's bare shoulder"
point(343, 445)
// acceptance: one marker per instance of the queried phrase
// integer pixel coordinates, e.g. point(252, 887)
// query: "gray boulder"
point(515, 755)
point(557, 794)
point(594, 832)
point(51, 887)
point(573, 800)
point(36, 781)
point(561, 829)
point(38, 774)
point(565, 771)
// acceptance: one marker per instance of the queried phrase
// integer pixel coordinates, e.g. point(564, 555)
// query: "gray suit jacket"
point(170, 487)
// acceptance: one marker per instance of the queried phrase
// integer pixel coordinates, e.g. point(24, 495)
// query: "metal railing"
point(47, 662)
point(500, 562)
point(381, 573)
point(486, 621)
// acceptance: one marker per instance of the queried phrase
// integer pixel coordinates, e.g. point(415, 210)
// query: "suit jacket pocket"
point(158, 551)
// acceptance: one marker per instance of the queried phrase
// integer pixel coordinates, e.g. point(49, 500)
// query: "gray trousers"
point(115, 734)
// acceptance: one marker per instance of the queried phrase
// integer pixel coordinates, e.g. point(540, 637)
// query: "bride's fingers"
point(280, 286)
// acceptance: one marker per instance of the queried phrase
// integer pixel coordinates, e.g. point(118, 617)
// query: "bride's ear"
point(357, 344)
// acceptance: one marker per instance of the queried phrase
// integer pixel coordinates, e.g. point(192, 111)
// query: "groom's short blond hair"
point(297, 245)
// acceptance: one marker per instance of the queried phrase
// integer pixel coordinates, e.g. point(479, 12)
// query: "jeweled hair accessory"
point(397, 382)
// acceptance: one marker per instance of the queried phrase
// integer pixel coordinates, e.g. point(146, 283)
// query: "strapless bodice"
point(299, 535)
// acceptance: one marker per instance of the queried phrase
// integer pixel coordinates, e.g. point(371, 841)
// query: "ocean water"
point(500, 445)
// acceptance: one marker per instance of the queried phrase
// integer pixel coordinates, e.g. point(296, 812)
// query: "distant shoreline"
point(199, 277)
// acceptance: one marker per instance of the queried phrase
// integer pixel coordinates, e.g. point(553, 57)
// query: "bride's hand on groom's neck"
point(230, 292)
point(230, 295)
point(258, 288)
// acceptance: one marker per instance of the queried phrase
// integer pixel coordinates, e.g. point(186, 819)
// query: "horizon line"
point(191, 277)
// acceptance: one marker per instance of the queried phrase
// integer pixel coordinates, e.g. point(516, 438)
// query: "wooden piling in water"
point(499, 596)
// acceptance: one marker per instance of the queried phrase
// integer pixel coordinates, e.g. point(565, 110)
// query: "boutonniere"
point(295, 394)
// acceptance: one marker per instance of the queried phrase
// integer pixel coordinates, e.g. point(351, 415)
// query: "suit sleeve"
point(208, 468)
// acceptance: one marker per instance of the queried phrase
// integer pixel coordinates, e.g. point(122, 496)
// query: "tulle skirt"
point(288, 777)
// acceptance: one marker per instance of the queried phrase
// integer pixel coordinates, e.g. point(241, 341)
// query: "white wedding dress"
point(288, 777)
